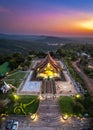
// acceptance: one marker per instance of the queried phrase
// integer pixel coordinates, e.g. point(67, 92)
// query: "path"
point(88, 82)
point(48, 86)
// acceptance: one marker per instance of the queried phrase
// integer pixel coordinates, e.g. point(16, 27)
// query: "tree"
point(32, 52)
point(78, 108)
point(61, 52)
point(12, 64)
point(15, 59)
point(52, 53)
point(18, 57)
point(41, 54)
point(83, 61)
point(2, 59)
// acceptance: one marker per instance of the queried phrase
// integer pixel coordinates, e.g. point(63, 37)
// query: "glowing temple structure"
point(48, 68)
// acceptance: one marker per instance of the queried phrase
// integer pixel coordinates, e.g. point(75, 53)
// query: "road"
point(88, 81)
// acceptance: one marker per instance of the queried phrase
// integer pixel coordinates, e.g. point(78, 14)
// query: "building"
point(48, 68)
point(5, 88)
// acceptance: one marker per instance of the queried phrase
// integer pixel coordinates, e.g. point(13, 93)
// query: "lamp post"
point(65, 116)
point(78, 96)
point(16, 96)
point(34, 116)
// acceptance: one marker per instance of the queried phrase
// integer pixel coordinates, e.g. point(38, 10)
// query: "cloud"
point(5, 10)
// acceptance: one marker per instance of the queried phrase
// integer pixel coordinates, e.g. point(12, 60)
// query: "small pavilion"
point(48, 68)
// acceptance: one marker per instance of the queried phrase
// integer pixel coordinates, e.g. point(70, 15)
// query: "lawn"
point(5, 95)
point(23, 105)
point(66, 105)
point(76, 106)
point(15, 78)
point(4, 68)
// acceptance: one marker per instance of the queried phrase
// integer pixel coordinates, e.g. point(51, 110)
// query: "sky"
point(47, 17)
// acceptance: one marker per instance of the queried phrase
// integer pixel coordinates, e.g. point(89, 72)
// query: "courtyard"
point(63, 87)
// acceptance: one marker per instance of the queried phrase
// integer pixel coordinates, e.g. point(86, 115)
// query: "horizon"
point(48, 18)
point(42, 35)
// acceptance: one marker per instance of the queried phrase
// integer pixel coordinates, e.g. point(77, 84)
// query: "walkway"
point(48, 86)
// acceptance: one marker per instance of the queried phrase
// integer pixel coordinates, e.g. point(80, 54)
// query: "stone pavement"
point(49, 112)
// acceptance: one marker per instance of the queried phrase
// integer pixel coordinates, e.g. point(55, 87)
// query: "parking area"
point(25, 123)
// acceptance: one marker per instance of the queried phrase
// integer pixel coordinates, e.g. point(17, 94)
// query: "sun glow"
point(87, 24)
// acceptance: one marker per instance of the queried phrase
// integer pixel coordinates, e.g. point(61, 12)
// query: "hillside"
point(25, 43)
point(7, 46)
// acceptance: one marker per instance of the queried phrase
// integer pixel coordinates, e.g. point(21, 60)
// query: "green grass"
point(74, 106)
point(22, 105)
point(15, 78)
point(5, 95)
point(13, 71)
point(4, 68)
point(28, 103)
point(66, 105)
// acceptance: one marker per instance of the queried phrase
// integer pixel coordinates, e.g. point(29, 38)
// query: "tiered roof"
point(48, 60)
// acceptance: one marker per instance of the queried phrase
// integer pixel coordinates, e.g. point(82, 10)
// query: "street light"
point(78, 96)
point(15, 96)
point(34, 116)
point(65, 116)
point(40, 97)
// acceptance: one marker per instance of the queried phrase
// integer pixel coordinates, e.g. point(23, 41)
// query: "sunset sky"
point(47, 17)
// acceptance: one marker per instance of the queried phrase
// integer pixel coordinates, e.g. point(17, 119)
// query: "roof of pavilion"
point(43, 64)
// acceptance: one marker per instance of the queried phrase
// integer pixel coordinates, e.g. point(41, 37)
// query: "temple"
point(48, 68)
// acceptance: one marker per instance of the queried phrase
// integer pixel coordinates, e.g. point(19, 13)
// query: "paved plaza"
point(65, 87)
point(29, 86)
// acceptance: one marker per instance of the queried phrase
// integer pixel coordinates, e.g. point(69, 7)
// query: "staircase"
point(49, 113)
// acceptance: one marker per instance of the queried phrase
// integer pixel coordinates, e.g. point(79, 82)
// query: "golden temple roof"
point(44, 63)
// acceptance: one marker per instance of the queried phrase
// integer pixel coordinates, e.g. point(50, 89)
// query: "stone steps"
point(48, 101)
point(49, 113)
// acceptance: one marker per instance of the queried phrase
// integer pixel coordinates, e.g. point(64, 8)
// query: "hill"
point(25, 43)
point(7, 46)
